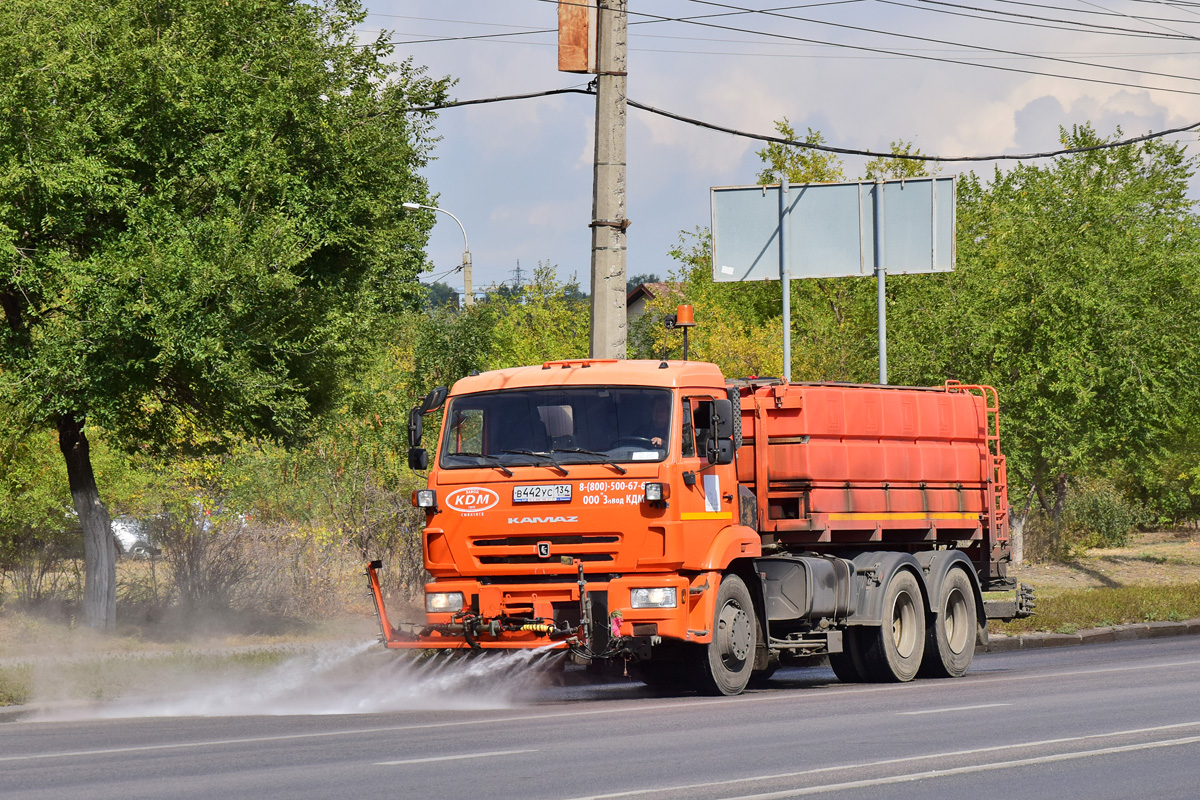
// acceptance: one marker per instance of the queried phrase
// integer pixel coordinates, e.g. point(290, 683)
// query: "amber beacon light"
point(682, 318)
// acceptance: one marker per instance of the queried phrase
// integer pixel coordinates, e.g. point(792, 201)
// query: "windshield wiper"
point(543, 458)
point(607, 458)
point(491, 460)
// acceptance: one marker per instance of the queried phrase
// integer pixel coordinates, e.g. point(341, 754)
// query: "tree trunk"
point(1060, 496)
point(99, 552)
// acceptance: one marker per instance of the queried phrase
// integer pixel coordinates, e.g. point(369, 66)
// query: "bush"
point(1097, 515)
point(206, 553)
point(42, 567)
point(1094, 514)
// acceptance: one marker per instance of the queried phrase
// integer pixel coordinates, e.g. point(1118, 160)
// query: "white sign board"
point(830, 229)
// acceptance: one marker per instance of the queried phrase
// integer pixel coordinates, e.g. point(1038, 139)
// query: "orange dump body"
point(876, 467)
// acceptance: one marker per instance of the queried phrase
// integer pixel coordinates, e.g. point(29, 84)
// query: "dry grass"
point(1155, 578)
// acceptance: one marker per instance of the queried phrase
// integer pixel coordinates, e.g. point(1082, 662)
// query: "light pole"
point(468, 294)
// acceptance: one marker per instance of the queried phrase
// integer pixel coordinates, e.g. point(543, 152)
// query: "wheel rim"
point(735, 635)
point(955, 622)
point(904, 625)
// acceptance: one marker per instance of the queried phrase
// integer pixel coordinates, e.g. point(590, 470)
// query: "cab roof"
point(595, 372)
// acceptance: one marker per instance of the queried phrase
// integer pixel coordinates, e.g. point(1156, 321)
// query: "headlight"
point(425, 498)
point(658, 597)
point(657, 492)
point(443, 602)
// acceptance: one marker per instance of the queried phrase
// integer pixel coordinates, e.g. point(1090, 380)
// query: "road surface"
point(1118, 721)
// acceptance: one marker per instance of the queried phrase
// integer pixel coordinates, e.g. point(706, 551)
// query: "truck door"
point(704, 497)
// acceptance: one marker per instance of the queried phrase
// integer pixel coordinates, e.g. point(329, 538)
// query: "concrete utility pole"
point(608, 203)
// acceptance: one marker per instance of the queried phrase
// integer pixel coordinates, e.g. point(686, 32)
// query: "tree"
point(199, 221)
point(741, 324)
point(883, 168)
point(441, 294)
point(798, 164)
point(545, 319)
point(1076, 295)
point(637, 280)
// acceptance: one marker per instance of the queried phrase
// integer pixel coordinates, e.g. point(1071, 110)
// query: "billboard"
point(832, 229)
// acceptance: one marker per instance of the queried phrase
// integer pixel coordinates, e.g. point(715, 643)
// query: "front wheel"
point(726, 662)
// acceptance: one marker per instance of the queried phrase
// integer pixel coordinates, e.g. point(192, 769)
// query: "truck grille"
point(535, 559)
point(533, 549)
point(517, 541)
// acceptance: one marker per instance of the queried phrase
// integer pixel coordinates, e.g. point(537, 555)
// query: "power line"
point(1087, 27)
point(655, 19)
point(931, 40)
point(822, 56)
point(864, 48)
point(1102, 8)
point(808, 145)
point(1110, 54)
point(1101, 13)
point(736, 11)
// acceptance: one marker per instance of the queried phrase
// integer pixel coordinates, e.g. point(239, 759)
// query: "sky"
point(954, 77)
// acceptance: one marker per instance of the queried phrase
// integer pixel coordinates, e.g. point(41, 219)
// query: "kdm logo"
point(472, 499)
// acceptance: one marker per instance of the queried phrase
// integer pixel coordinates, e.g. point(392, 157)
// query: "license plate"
point(543, 493)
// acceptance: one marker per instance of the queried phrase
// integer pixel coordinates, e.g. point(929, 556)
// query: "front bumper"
point(591, 619)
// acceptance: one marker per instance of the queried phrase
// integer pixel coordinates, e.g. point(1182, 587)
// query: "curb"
point(1119, 633)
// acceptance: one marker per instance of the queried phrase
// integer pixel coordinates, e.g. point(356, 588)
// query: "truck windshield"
point(575, 425)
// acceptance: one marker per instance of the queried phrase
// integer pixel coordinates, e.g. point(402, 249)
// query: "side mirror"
point(720, 445)
point(414, 427)
point(723, 418)
point(720, 451)
point(434, 400)
point(418, 459)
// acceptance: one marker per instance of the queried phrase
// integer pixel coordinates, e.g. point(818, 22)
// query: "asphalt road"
point(1118, 720)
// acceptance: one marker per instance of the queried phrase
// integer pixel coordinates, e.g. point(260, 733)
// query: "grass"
point(110, 676)
point(1078, 609)
point(16, 684)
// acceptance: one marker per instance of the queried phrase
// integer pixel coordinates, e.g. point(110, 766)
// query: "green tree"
point(798, 164)
point(637, 280)
point(545, 319)
point(199, 221)
point(441, 294)
point(1076, 295)
point(741, 324)
point(884, 168)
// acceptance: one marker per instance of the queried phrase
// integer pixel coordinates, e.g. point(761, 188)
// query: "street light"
point(468, 295)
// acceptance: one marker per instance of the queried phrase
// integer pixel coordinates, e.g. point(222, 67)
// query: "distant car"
point(133, 538)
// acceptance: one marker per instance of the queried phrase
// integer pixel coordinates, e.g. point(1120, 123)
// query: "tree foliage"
point(199, 218)
point(1076, 294)
point(798, 164)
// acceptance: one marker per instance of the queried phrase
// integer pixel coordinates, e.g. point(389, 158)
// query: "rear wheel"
point(846, 664)
point(726, 662)
point(893, 651)
point(950, 640)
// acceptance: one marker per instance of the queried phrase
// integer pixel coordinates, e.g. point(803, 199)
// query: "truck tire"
point(950, 637)
point(893, 651)
point(847, 664)
point(726, 662)
point(660, 674)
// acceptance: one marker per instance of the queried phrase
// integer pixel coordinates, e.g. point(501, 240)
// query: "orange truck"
point(704, 531)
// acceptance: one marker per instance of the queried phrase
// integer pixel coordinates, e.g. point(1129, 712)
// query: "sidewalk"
point(1118, 633)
